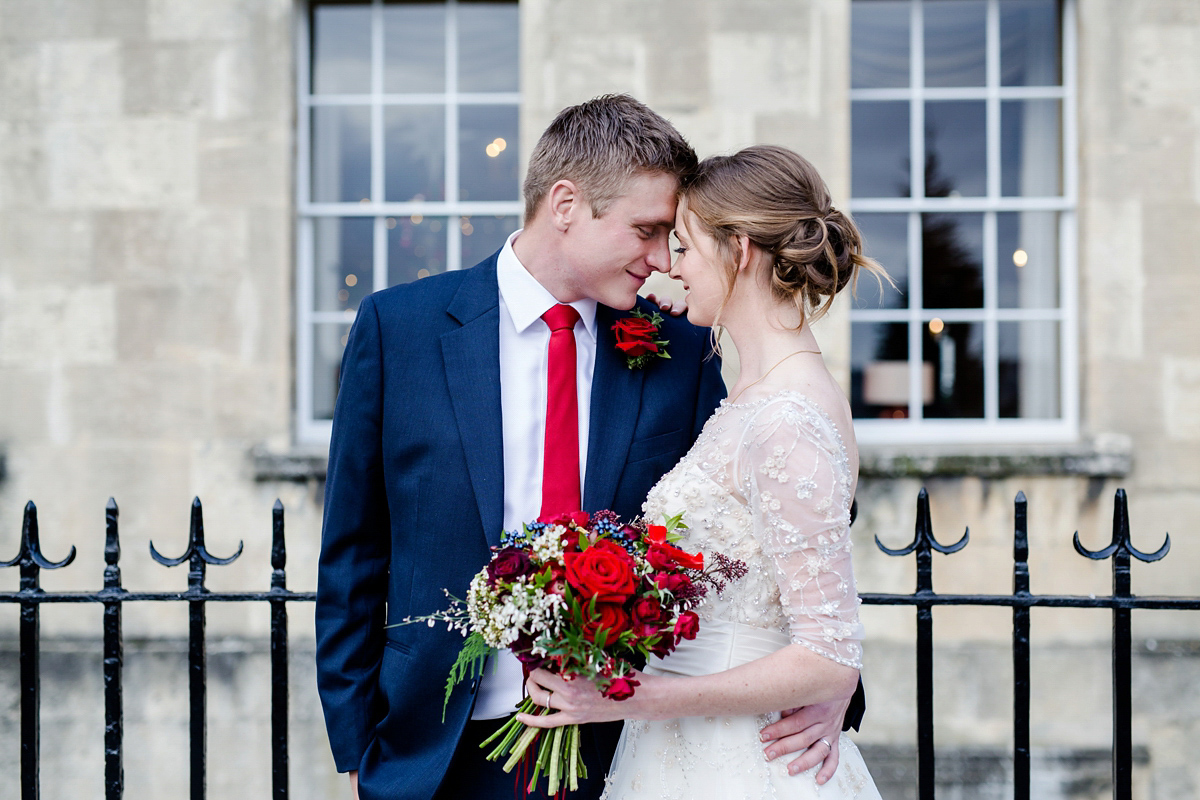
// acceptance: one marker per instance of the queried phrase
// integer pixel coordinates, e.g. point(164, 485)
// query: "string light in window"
point(936, 326)
point(495, 147)
point(1020, 258)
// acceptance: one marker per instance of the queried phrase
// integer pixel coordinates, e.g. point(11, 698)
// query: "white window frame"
point(991, 428)
point(317, 431)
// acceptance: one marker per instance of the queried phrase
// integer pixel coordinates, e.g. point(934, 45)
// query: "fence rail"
point(30, 561)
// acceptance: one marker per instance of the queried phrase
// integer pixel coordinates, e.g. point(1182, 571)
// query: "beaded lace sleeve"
point(794, 472)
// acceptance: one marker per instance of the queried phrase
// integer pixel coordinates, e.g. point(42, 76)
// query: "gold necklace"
point(768, 372)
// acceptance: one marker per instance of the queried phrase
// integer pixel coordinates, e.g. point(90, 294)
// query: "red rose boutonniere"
point(637, 338)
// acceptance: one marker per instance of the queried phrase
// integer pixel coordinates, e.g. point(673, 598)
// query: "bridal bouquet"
point(584, 596)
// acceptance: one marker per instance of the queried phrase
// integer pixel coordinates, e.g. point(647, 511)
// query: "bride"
point(769, 481)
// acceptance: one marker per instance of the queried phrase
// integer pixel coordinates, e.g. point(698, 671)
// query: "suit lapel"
point(472, 359)
point(616, 400)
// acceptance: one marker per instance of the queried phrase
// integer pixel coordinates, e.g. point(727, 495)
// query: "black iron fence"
point(30, 596)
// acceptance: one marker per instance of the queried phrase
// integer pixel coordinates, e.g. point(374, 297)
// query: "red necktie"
point(560, 465)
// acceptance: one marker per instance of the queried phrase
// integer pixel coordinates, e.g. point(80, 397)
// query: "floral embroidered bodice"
point(770, 483)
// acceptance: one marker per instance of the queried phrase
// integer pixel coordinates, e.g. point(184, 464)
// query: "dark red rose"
point(601, 573)
point(580, 518)
point(508, 565)
point(558, 578)
point(635, 336)
point(667, 556)
point(647, 616)
point(621, 688)
point(609, 616)
point(673, 583)
point(664, 647)
point(687, 626)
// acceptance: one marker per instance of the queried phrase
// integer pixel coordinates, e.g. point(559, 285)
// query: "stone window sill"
point(1103, 456)
point(1107, 456)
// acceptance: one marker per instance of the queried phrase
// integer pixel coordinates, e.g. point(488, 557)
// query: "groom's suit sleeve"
point(355, 551)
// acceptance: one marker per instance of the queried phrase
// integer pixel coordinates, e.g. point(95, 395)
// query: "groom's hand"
point(808, 729)
point(353, 784)
point(672, 307)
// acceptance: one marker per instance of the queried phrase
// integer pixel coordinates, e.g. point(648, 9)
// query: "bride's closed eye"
point(681, 250)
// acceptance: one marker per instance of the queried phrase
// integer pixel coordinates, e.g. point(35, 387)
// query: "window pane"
point(414, 47)
point(342, 260)
point(886, 239)
point(488, 36)
point(415, 140)
point(329, 342)
point(341, 154)
point(956, 149)
point(416, 247)
point(1029, 373)
point(1027, 259)
point(1030, 33)
point(484, 235)
point(955, 353)
point(341, 49)
point(952, 260)
point(487, 153)
point(1030, 148)
point(955, 42)
point(879, 370)
point(879, 38)
point(879, 149)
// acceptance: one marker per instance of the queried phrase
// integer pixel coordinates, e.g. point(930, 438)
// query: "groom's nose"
point(659, 257)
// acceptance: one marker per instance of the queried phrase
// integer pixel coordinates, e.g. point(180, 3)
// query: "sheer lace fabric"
point(769, 483)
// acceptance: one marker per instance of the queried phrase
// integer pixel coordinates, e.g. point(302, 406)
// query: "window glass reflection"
point(1029, 370)
point(488, 36)
point(341, 49)
point(1030, 148)
point(1027, 259)
point(341, 154)
point(415, 139)
point(342, 262)
point(483, 235)
point(879, 43)
point(487, 152)
point(952, 255)
point(886, 240)
point(329, 340)
point(416, 247)
point(1030, 32)
point(414, 48)
point(955, 42)
point(956, 149)
point(879, 156)
point(954, 353)
point(879, 380)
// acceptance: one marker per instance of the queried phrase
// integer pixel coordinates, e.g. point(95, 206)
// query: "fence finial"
point(1121, 537)
point(31, 546)
point(923, 537)
point(195, 544)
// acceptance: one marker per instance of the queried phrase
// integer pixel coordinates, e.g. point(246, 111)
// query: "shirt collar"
point(526, 299)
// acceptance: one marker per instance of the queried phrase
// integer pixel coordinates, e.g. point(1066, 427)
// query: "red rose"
point(609, 616)
point(580, 518)
point(508, 565)
point(666, 556)
point(673, 583)
point(601, 573)
point(647, 616)
point(687, 626)
point(558, 578)
point(621, 688)
point(635, 336)
point(656, 534)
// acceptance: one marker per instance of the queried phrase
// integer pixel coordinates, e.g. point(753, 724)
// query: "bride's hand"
point(574, 701)
point(673, 307)
point(809, 729)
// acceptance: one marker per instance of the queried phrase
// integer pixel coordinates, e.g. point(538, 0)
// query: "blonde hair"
point(599, 145)
point(778, 200)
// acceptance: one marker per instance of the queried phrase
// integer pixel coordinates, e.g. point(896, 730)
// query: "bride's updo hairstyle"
point(776, 198)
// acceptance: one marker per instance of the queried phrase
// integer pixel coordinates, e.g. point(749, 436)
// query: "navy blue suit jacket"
point(414, 499)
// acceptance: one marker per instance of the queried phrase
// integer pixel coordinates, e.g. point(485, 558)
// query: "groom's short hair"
point(598, 146)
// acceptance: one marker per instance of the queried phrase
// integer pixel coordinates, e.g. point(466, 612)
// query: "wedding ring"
point(550, 694)
point(825, 742)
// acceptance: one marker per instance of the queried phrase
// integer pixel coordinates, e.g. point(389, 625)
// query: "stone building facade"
point(150, 325)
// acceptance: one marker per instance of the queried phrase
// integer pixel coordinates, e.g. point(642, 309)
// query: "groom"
point(473, 401)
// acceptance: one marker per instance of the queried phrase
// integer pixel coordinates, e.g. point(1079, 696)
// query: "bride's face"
point(698, 266)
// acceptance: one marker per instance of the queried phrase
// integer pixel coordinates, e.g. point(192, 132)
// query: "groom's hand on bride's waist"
point(813, 731)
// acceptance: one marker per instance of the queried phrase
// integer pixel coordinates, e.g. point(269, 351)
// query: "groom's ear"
point(564, 201)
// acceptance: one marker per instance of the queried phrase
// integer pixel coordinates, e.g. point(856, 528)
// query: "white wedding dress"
point(770, 483)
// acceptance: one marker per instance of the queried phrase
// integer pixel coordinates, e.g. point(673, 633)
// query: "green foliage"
point(468, 664)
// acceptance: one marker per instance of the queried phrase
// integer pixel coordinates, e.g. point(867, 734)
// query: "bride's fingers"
point(831, 763)
point(818, 753)
point(795, 743)
point(555, 720)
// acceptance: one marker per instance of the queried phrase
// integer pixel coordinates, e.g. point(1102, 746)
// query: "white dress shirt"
point(524, 344)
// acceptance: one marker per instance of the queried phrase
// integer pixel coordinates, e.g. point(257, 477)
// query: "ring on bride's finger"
point(825, 742)
point(550, 694)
